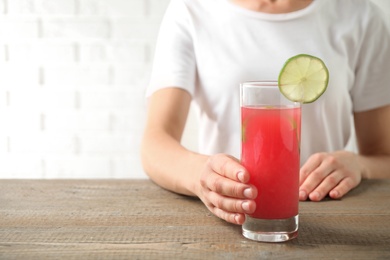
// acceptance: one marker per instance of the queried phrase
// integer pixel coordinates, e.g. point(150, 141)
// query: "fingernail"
point(240, 176)
point(302, 195)
point(334, 194)
point(248, 193)
point(314, 195)
point(245, 206)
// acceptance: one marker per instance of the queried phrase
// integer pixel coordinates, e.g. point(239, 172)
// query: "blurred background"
point(73, 75)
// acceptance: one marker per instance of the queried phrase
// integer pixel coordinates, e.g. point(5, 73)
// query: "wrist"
point(197, 163)
point(361, 162)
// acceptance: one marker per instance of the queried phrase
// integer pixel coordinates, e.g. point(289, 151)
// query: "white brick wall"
point(72, 81)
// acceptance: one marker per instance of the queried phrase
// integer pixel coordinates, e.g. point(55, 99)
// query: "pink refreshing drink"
point(270, 152)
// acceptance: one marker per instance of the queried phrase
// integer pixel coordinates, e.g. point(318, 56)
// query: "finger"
point(329, 183)
point(311, 164)
point(231, 205)
point(343, 188)
point(314, 179)
point(230, 188)
point(228, 167)
point(234, 218)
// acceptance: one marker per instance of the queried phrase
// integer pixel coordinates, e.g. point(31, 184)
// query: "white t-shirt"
point(208, 47)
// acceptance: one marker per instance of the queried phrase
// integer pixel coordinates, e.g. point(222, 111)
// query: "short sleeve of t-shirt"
point(372, 73)
point(174, 63)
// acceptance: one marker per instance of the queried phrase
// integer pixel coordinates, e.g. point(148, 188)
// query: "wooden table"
point(135, 219)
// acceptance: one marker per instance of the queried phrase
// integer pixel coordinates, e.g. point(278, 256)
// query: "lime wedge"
point(303, 78)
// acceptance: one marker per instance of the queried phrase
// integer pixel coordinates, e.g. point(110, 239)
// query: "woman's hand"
point(329, 173)
point(224, 190)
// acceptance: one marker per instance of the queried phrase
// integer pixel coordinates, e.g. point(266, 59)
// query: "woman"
point(207, 47)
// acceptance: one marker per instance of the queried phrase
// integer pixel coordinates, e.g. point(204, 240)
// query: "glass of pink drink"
point(270, 151)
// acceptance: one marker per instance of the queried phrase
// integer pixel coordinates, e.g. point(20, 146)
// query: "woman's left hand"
point(333, 174)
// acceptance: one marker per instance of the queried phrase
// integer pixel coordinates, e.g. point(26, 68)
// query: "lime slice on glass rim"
point(303, 78)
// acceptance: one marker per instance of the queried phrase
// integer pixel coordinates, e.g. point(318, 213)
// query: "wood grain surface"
point(135, 219)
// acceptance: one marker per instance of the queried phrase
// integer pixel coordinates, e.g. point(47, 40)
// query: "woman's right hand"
point(220, 181)
point(224, 189)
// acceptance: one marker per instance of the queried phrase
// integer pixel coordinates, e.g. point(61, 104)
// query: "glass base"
point(270, 230)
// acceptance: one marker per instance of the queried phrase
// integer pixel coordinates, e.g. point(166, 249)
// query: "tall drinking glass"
point(270, 151)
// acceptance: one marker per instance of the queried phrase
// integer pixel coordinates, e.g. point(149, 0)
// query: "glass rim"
point(260, 83)
point(247, 87)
